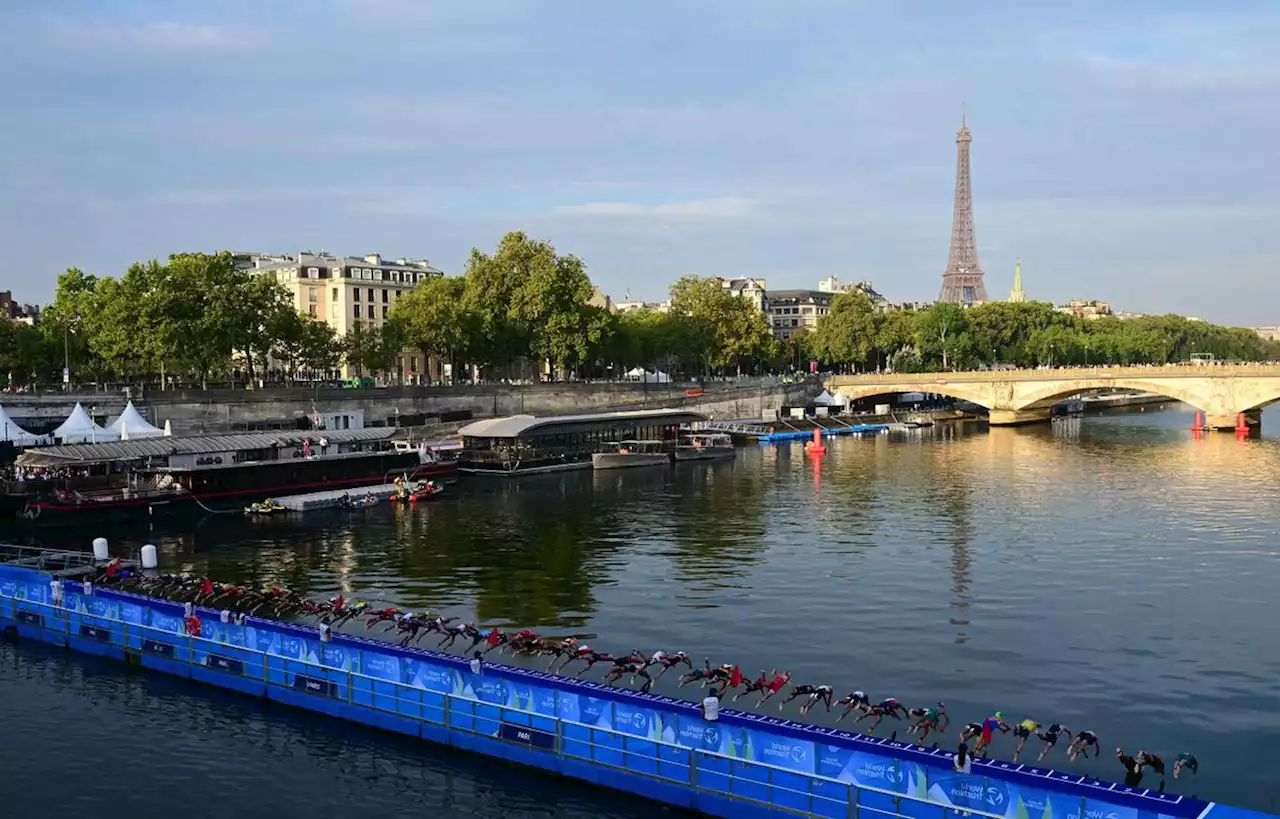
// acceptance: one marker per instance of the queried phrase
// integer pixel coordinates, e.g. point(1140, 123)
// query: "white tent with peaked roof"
point(132, 424)
point(826, 399)
point(10, 431)
point(79, 428)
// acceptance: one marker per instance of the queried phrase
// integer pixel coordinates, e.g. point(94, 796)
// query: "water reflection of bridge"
point(1025, 396)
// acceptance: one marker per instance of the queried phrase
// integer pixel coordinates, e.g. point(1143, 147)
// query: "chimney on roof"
point(374, 258)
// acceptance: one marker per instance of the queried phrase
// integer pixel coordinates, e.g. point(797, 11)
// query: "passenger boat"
point(159, 476)
point(626, 454)
point(526, 444)
point(704, 446)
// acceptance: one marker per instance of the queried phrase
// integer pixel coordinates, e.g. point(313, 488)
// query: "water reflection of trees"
point(716, 525)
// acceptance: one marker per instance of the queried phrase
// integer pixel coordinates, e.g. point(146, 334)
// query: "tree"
point(65, 322)
point(939, 334)
point(259, 310)
point(716, 328)
point(847, 333)
point(200, 307)
point(359, 347)
point(437, 320)
point(492, 283)
point(894, 333)
point(319, 349)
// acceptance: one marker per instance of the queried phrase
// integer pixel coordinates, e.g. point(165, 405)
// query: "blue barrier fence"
point(656, 746)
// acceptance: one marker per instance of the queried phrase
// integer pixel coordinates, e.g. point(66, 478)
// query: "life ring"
point(193, 626)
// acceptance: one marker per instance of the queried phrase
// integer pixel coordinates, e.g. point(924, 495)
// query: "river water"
point(1110, 573)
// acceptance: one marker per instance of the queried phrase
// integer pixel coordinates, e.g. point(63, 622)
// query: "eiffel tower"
point(962, 280)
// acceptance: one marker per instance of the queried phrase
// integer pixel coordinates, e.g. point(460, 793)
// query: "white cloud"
point(160, 36)
point(727, 207)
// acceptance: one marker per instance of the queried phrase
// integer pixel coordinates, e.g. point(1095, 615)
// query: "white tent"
point(638, 374)
point(79, 428)
point(10, 431)
point(133, 425)
point(660, 377)
point(826, 399)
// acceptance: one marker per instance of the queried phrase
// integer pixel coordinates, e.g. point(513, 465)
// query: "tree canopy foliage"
point(191, 314)
point(526, 302)
point(1031, 334)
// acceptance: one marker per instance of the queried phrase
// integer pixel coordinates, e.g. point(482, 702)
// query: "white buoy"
point(149, 558)
point(100, 551)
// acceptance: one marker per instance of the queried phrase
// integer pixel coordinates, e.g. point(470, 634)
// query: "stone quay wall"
point(194, 412)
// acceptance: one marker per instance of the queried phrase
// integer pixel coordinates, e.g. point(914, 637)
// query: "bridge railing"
point(1098, 373)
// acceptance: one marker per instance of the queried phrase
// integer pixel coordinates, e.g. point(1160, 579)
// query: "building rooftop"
point(525, 426)
point(193, 445)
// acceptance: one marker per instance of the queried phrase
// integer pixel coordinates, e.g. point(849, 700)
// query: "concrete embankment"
point(193, 412)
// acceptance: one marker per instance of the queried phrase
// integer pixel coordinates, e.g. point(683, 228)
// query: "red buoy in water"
point(815, 446)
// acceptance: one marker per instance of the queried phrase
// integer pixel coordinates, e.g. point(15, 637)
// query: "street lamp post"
point(1051, 356)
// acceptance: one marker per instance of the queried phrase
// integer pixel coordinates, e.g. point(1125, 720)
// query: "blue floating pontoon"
point(735, 765)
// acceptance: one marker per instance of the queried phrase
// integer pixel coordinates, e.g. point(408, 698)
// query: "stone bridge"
point(1025, 396)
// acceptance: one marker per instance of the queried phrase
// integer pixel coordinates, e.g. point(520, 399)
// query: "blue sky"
point(1125, 151)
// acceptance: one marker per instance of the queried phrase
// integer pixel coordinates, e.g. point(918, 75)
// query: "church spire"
point(1017, 295)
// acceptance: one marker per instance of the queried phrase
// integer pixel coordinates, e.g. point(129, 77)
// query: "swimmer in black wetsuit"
point(857, 701)
point(560, 649)
point(813, 692)
point(1187, 760)
point(1051, 735)
point(592, 657)
point(704, 674)
point(1155, 763)
point(1132, 770)
point(933, 719)
point(1082, 743)
point(623, 665)
point(970, 731)
point(882, 709)
point(669, 661)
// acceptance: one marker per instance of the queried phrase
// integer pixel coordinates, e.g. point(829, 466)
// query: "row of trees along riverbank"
point(197, 317)
point(944, 337)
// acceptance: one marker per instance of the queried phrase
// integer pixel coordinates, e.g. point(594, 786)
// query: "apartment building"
point(346, 292)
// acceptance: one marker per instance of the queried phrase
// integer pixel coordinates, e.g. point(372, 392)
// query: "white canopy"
point(79, 428)
point(826, 399)
point(10, 431)
point(132, 424)
point(640, 374)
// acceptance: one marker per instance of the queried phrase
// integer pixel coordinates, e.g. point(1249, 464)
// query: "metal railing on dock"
point(57, 562)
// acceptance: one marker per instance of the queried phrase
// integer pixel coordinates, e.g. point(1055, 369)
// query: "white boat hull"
point(617, 460)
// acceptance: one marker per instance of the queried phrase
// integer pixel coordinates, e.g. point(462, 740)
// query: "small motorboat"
point(426, 491)
point(359, 503)
point(266, 507)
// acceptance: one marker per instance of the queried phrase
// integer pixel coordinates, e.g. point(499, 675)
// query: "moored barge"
point(525, 444)
point(96, 483)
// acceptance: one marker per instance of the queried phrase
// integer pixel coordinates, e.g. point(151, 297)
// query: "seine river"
point(1110, 573)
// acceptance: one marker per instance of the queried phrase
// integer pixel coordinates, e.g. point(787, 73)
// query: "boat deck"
point(332, 498)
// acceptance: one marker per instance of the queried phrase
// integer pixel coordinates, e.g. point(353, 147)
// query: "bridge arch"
point(959, 391)
point(1047, 396)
